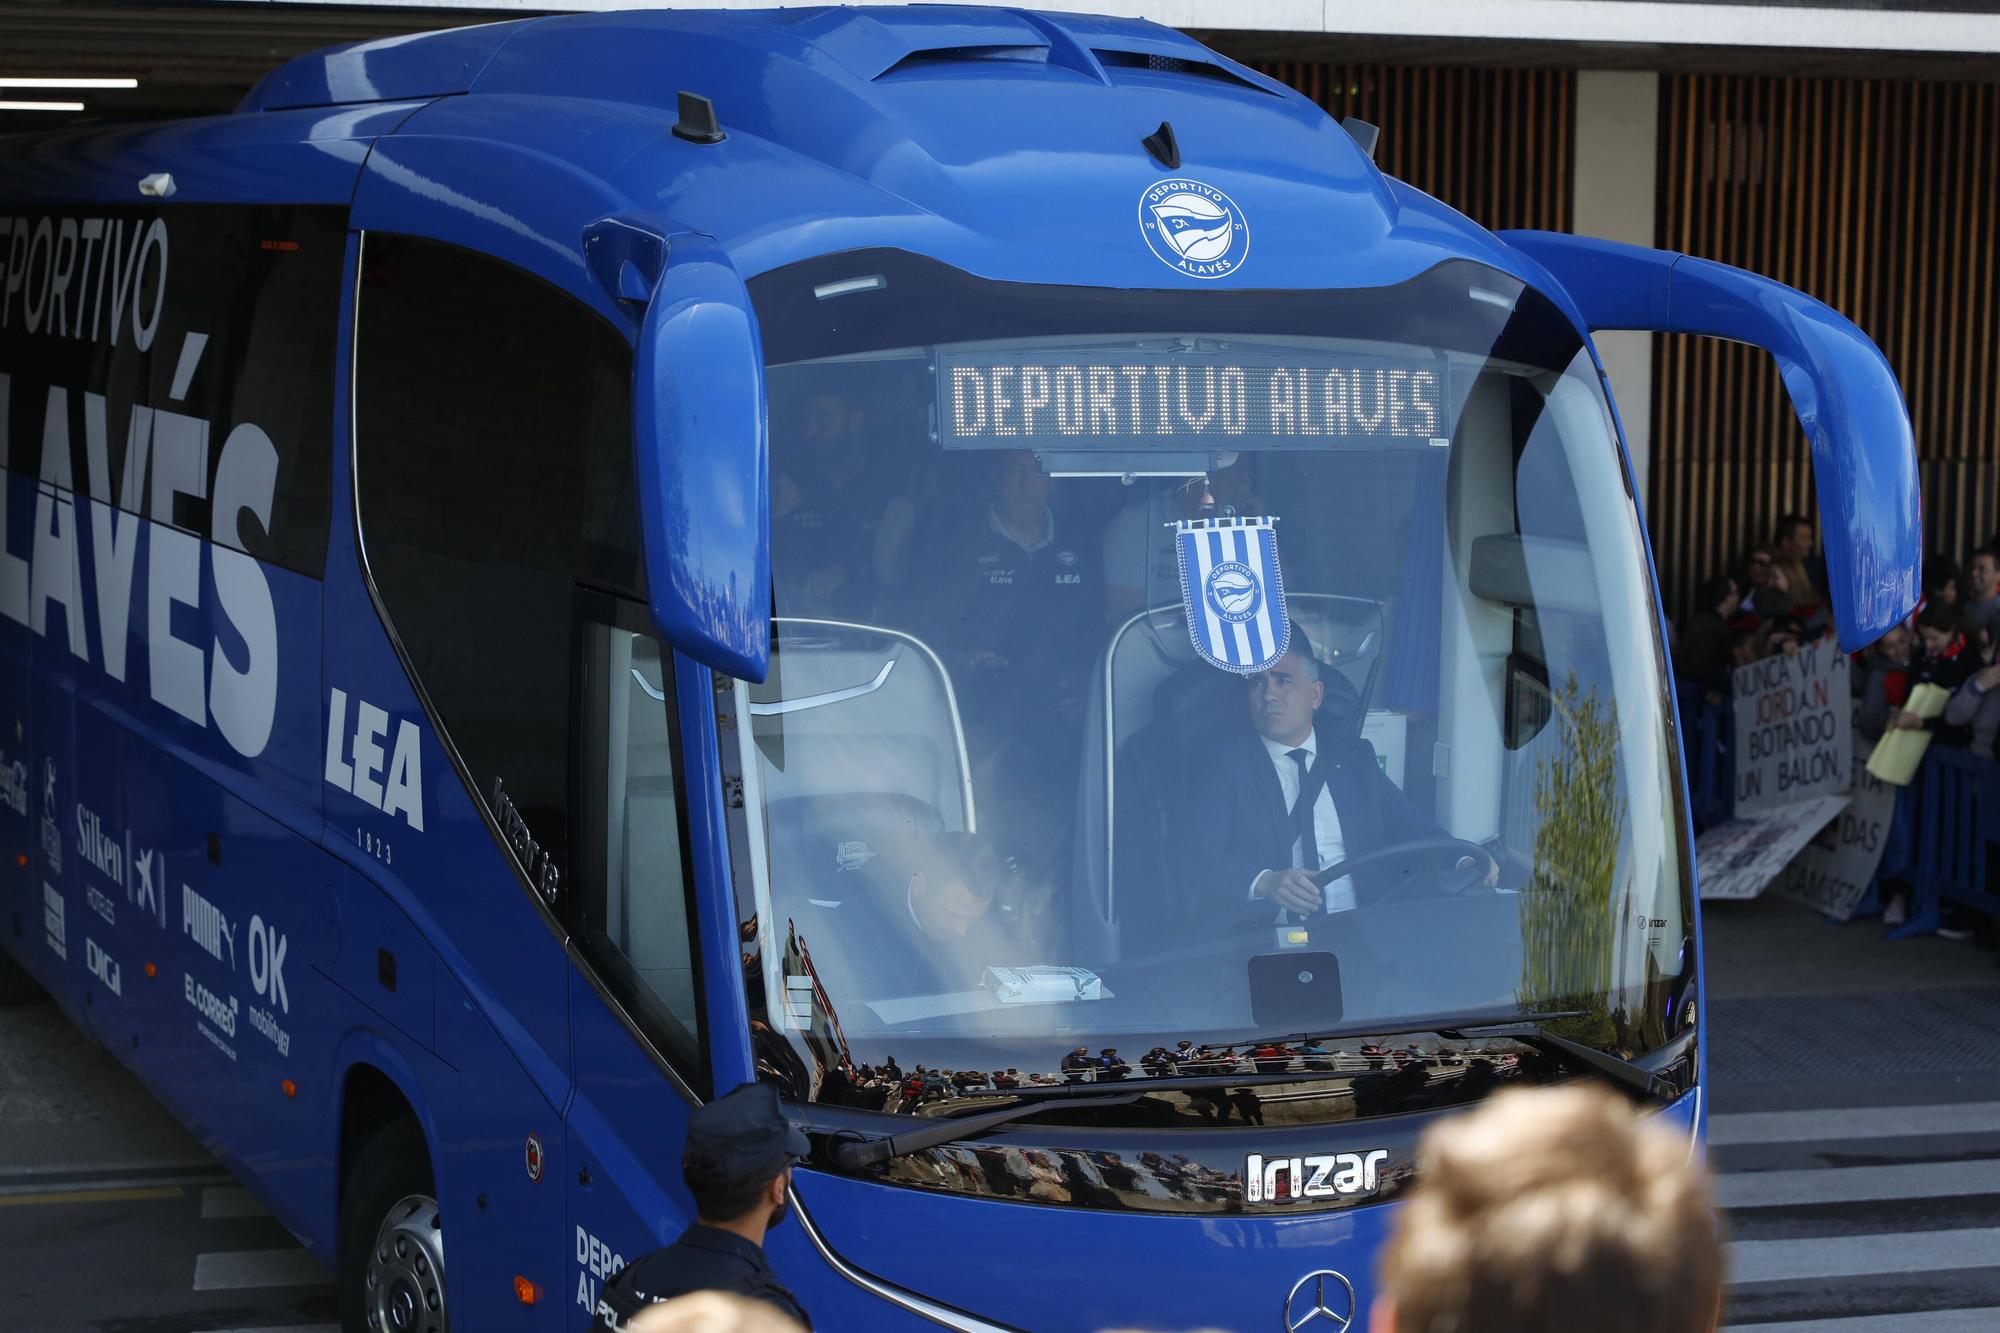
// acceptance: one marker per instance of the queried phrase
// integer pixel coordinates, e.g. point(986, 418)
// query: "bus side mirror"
point(1841, 387)
point(701, 461)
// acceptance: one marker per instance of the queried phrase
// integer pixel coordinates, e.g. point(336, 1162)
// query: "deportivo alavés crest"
point(1194, 228)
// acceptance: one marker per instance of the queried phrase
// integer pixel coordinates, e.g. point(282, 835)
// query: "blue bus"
point(552, 569)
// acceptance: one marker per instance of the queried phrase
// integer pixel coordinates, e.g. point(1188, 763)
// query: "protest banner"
point(1794, 753)
point(1794, 728)
point(1832, 873)
point(1737, 859)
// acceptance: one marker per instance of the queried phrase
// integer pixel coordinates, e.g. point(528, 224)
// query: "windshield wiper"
point(1644, 1075)
point(851, 1153)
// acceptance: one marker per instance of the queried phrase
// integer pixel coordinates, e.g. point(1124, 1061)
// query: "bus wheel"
point(391, 1262)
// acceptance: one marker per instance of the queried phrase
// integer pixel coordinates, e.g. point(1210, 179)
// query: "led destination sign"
point(1134, 399)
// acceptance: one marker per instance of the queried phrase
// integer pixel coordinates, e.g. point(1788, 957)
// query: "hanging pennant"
point(1232, 593)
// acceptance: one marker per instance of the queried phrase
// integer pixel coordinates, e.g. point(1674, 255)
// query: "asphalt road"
point(1854, 1131)
point(114, 1220)
point(1854, 1124)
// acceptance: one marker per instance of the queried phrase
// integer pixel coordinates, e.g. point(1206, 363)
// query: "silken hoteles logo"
point(1194, 229)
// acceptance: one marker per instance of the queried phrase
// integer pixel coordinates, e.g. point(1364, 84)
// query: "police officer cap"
point(743, 1138)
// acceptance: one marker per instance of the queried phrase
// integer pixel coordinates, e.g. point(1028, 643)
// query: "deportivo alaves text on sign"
point(1021, 399)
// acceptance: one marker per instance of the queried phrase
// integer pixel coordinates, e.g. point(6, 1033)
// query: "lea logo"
point(392, 781)
point(1283, 1179)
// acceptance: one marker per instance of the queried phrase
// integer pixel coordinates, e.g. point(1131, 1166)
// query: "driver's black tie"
point(1302, 812)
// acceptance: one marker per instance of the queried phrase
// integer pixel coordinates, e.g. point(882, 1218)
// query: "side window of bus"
point(632, 890)
point(493, 467)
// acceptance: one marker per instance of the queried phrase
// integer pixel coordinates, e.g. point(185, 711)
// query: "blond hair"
point(1800, 594)
point(710, 1312)
point(1555, 1208)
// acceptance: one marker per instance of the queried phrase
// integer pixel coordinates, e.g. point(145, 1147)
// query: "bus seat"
point(1193, 710)
point(869, 839)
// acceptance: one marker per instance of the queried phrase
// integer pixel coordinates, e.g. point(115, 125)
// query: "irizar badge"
point(1194, 228)
point(1232, 592)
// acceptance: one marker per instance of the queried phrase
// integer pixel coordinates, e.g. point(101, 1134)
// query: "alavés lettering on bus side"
point(231, 686)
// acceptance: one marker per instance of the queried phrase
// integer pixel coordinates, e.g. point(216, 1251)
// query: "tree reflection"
point(1566, 914)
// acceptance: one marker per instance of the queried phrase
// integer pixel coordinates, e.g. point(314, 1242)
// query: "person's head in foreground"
point(710, 1312)
point(1555, 1208)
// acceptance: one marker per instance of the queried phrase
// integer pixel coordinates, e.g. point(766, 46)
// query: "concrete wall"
point(1617, 158)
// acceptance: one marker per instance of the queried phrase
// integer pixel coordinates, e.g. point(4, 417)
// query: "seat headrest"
point(820, 837)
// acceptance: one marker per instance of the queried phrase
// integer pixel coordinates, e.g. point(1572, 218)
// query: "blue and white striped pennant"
point(1232, 592)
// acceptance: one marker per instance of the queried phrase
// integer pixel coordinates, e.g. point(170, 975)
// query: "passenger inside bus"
point(1016, 610)
point(1256, 846)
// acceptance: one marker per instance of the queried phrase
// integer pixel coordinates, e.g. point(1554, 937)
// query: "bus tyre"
point(391, 1259)
point(17, 984)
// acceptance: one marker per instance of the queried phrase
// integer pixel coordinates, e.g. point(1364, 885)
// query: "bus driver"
point(1249, 848)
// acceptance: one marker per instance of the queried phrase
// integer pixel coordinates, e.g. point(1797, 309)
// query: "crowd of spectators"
point(1776, 599)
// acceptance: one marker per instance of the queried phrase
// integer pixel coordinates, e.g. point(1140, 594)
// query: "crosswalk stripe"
point(1859, 1122)
point(258, 1268)
point(1915, 1321)
point(229, 1201)
point(1856, 1184)
point(10, 1200)
point(168, 1165)
point(1856, 1256)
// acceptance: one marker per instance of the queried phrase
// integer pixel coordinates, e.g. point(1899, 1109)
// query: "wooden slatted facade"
point(1881, 199)
point(1493, 143)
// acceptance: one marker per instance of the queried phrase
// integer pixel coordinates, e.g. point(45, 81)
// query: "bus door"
point(636, 1003)
point(493, 457)
point(656, 1006)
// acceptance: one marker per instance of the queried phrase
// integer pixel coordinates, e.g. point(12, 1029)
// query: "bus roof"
point(1006, 142)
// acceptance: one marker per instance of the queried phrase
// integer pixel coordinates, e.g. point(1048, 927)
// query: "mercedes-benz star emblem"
point(1331, 1309)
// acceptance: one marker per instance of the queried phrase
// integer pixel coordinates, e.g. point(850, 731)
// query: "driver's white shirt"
point(1326, 821)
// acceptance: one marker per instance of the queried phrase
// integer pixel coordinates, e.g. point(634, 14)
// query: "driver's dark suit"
point(1236, 824)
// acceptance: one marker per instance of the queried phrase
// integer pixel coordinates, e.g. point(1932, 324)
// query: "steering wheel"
point(1472, 875)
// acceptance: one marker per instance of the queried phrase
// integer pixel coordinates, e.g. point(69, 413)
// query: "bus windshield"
point(1021, 793)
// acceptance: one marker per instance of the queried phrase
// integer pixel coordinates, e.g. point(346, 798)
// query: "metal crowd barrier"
point(1956, 806)
point(1944, 839)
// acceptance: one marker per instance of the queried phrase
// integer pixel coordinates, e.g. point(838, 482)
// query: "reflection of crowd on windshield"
point(1394, 1077)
